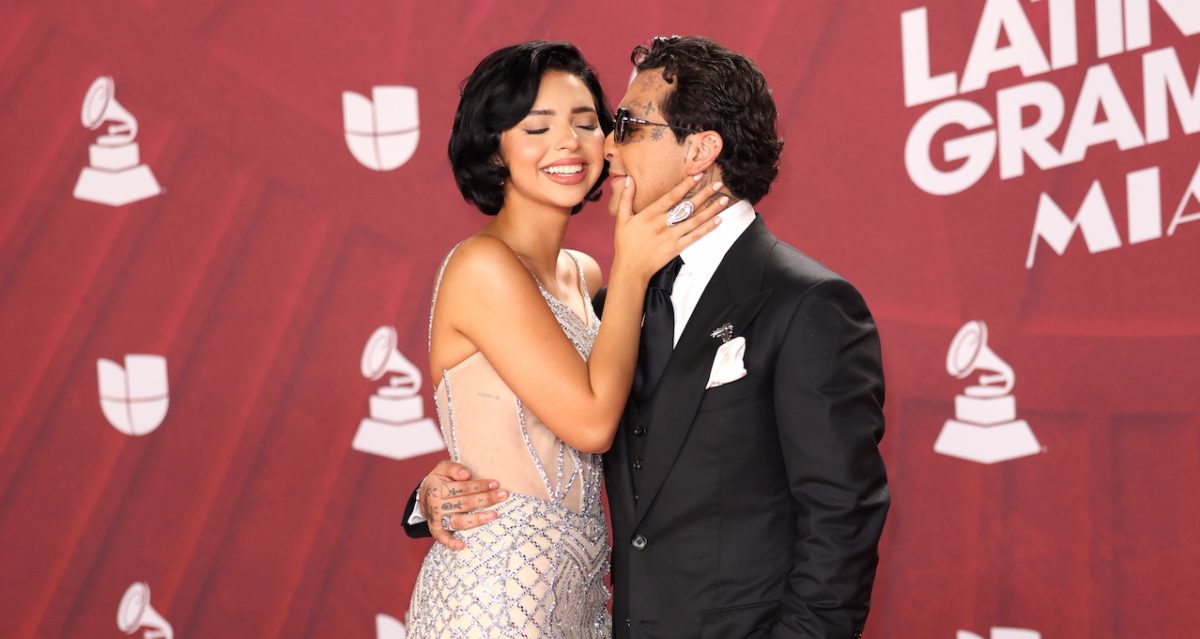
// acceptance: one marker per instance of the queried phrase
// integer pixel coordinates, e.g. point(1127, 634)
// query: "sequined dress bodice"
point(538, 570)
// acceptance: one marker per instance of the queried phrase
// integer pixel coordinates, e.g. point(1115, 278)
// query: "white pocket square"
point(728, 366)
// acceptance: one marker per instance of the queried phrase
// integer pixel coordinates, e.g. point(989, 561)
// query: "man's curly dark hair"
point(720, 90)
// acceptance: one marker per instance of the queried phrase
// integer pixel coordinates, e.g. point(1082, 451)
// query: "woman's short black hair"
point(720, 90)
point(499, 93)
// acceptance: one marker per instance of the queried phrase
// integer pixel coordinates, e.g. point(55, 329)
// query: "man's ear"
point(703, 150)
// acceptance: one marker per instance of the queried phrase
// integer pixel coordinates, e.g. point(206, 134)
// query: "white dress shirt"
point(701, 259)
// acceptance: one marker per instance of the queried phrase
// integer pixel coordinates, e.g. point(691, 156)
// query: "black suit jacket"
point(755, 507)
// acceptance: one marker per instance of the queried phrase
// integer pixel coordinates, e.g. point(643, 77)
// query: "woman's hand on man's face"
point(645, 241)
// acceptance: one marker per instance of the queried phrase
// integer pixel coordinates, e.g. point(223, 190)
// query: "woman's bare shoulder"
point(484, 257)
point(483, 261)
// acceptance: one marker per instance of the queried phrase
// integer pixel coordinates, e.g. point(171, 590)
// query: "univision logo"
point(134, 398)
point(1001, 633)
point(382, 132)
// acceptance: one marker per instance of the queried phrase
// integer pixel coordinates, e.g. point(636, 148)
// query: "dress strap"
point(587, 296)
point(535, 277)
point(582, 280)
point(437, 283)
point(578, 267)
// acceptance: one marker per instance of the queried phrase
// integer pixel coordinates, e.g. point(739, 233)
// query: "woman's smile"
point(567, 171)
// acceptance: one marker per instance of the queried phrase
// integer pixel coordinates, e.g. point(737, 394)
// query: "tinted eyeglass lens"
point(619, 122)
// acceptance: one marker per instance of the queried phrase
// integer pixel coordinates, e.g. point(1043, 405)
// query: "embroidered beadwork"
point(437, 283)
point(580, 330)
point(536, 571)
point(449, 416)
point(552, 491)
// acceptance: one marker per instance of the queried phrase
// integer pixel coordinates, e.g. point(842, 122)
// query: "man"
point(746, 489)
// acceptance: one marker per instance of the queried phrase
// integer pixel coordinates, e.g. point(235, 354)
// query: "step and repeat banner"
point(220, 224)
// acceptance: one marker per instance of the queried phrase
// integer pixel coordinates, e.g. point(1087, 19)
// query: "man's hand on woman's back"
point(450, 491)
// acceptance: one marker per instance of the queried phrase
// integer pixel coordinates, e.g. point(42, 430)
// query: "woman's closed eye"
point(585, 125)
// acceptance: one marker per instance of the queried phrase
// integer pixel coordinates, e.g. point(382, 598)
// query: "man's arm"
point(829, 410)
point(449, 490)
point(415, 525)
point(598, 302)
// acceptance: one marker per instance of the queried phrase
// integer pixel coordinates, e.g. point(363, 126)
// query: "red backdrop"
point(272, 254)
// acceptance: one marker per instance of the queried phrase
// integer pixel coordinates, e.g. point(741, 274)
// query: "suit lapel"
point(732, 296)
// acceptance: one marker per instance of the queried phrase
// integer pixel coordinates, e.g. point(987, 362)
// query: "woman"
point(531, 387)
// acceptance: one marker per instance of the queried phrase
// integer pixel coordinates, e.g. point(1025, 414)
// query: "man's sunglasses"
point(622, 119)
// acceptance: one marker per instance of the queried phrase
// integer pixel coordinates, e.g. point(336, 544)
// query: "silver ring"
point(446, 524)
point(680, 212)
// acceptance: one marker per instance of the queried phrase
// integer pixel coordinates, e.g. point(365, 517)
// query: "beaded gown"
point(538, 569)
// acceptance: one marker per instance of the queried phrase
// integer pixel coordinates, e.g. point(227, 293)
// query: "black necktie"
point(658, 331)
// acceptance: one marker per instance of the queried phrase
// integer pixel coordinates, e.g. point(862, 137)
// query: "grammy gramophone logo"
point(985, 428)
point(135, 613)
point(397, 426)
point(116, 175)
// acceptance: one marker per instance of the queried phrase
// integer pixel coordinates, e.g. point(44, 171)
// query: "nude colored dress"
point(538, 569)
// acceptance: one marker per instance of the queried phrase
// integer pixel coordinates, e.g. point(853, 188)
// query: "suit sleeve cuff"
point(416, 517)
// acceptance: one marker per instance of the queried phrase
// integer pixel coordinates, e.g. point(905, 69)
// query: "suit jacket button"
point(639, 431)
point(637, 464)
point(639, 542)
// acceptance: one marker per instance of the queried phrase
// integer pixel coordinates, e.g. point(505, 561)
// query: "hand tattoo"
point(452, 506)
point(424, 505)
